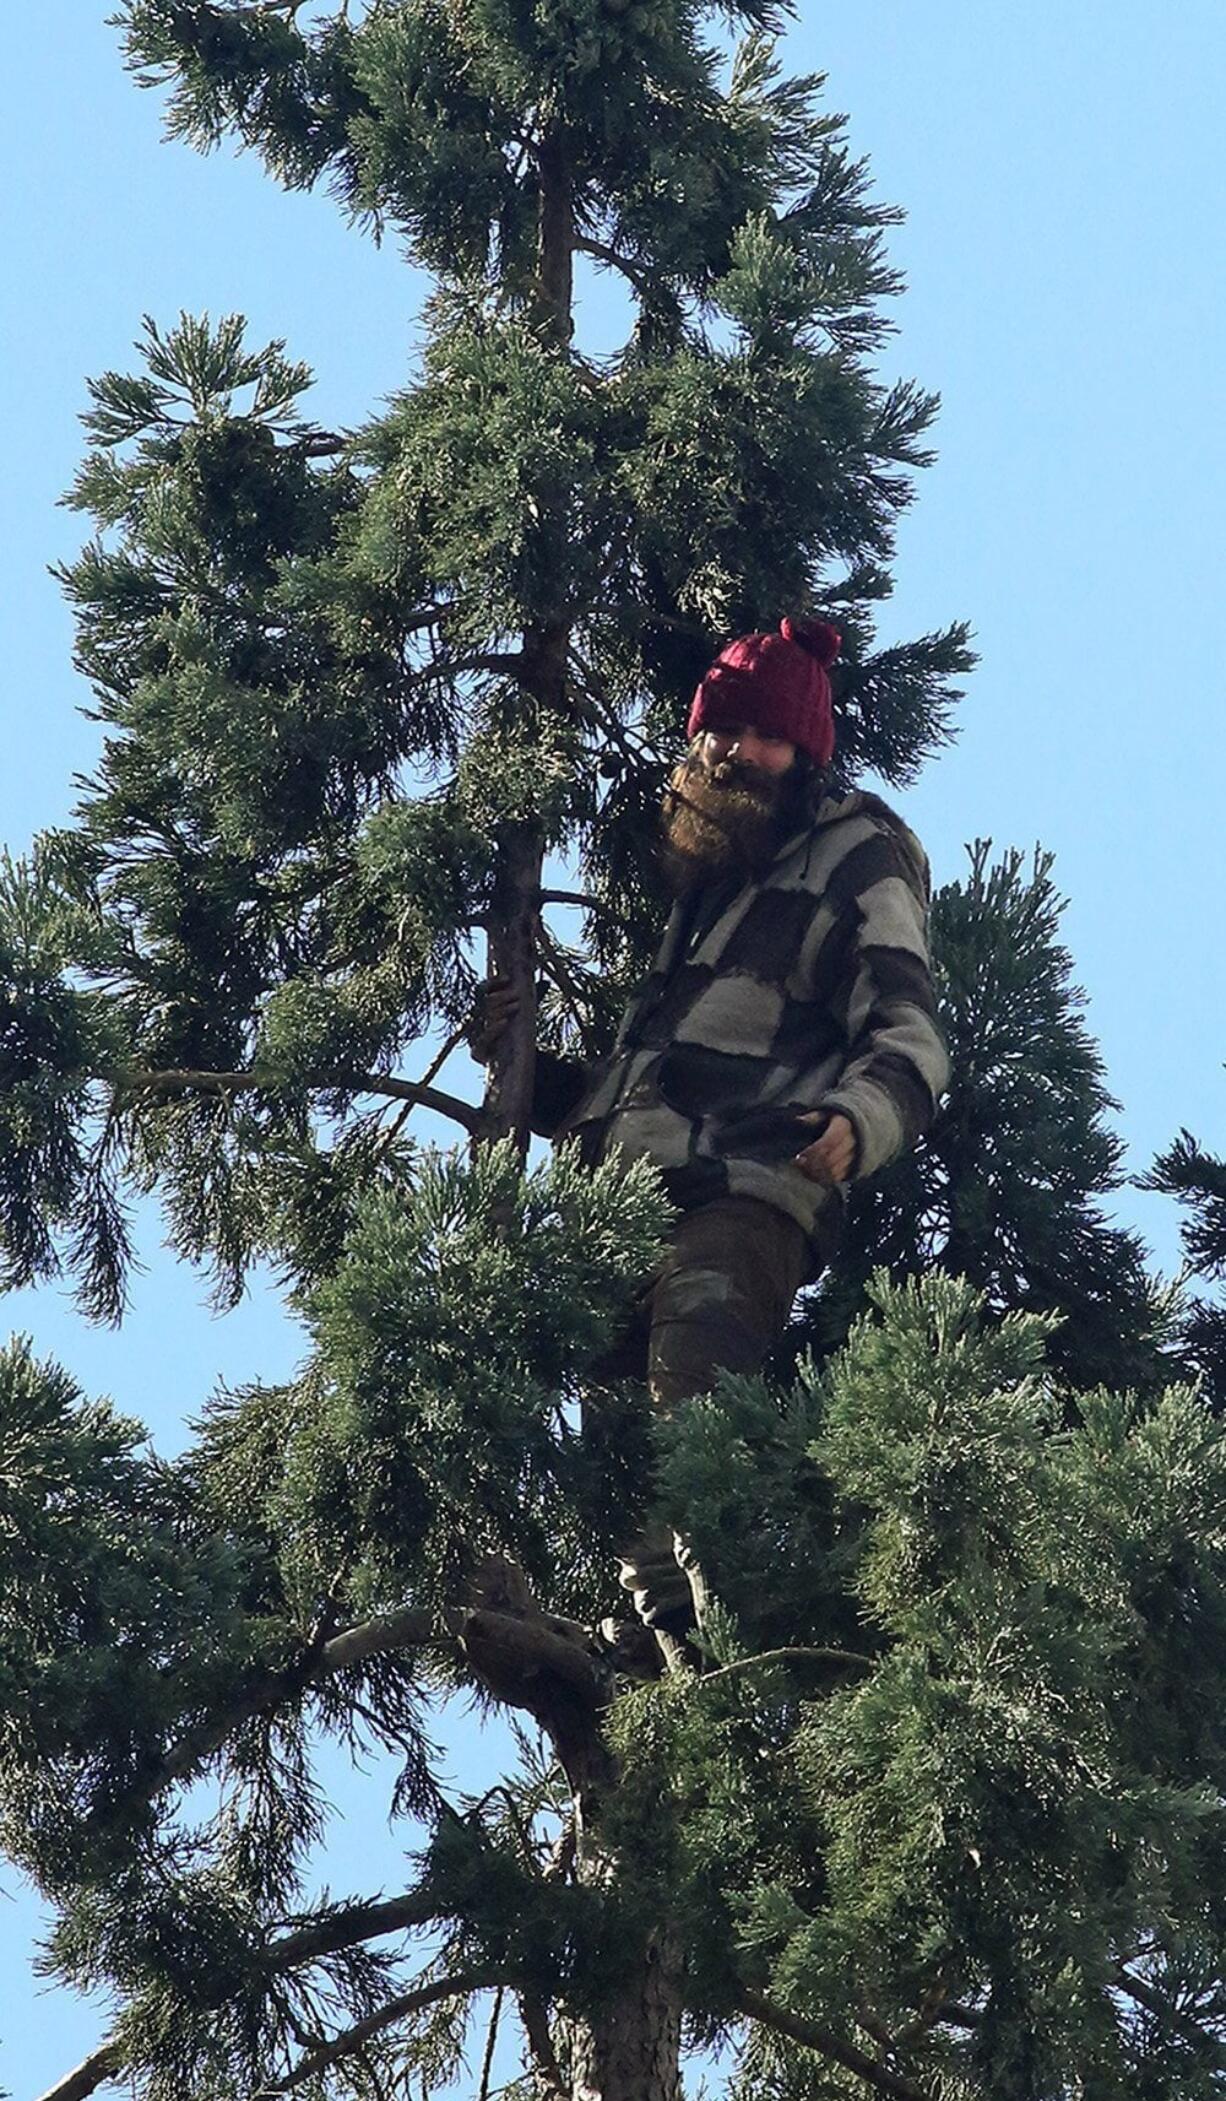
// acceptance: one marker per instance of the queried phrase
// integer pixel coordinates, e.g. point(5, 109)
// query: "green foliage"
point(463, 1312)
point(975, 1832)
point(316, 732)
point(58, 1195)
point(735, 1473)
point(1198, 1180)
point(118, 1617)
point(999, 1762)
point(1009, 1790)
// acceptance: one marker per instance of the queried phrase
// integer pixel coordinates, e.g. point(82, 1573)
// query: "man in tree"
point(784, 1043)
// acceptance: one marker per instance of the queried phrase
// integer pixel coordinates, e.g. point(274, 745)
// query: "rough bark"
point(516, 905)
point(511, 958)
point(630, 2049)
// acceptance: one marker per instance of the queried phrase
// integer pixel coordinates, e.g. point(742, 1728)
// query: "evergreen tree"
point(1198, 1179)
point(963, 1835)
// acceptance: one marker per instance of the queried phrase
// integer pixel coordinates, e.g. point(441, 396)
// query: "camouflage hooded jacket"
point(809, 990)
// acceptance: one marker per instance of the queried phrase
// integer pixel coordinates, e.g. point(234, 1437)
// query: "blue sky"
point(1060, 167)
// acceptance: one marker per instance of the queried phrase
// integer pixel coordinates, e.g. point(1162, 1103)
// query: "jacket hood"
point(837, 809)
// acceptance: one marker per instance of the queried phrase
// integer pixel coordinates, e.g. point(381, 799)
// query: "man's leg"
point(720, 1302)
point(723, 1295)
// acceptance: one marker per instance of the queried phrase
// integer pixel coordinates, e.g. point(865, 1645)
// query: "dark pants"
point(719, 1301)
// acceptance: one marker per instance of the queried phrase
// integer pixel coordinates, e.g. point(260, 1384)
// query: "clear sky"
point(1061, 169)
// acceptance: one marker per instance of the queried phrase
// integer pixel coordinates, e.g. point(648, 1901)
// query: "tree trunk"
point(517, 885)
point(630, 2050)
point(512, 957)
point(629, 2047)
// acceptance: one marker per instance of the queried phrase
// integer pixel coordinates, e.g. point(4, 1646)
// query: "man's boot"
point(669, 1592)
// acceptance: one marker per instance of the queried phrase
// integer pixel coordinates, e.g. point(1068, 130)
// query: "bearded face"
point(724, 820)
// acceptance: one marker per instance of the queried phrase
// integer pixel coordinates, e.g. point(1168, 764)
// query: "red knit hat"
point(776, 683)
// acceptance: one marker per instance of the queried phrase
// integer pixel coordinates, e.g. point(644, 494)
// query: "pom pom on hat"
point(776, 682)
point(820, 637)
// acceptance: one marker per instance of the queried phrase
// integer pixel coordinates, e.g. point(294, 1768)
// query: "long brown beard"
point(721, 821)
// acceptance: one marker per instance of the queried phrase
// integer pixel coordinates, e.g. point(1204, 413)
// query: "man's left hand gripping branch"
point(783, 1045)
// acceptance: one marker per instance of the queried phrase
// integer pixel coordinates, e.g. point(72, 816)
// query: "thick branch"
point(529, 1661)
point(397, 1630)
point(535, 2023)
point(188, 1080)
point(1180, 2023)
point(814, 2036)
point(635, 274)
point(355, 2039)
point(514, 909)
point(556, 241)
point(519, 1652)
point(511, 933)
point(105, 2064)
point(349, 1928)
point(407, 1629)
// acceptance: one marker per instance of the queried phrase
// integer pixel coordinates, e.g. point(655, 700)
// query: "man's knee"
point(697, 1333)
point(724, 1295)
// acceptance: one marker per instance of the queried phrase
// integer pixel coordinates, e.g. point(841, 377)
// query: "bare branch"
point(634, 272)
point(105, 2064)
point(540, 2043)
point(1211, 2047)
point(843, 1658)
point(320, 445)
point(430, 615)
point(588, 904)
point(431, 1073)
point(572, 897)
point(491, 2044)
point(187, 1080)
point(600, 703)
point(513, 661)
point(349, 1928)
point(397, 1630)
point(936, 2012)
point(437, 1063)
point(814, 2036)
point(558, 968)
point(355, 2039)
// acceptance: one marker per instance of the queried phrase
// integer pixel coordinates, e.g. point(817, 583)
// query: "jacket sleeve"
point(897, 1065)
point(558, 1087)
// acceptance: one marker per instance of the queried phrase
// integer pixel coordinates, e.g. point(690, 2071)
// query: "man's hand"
point(832, 1156)
point(495, 1008)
